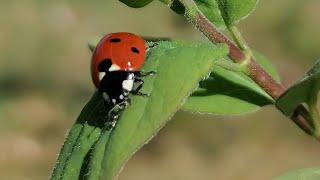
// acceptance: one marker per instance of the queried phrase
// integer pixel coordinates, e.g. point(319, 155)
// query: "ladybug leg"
point(152, 45)
point(143, 73)
point(140, 82)
point(112, 119)
point(127, 101)
point(120, 106)
point(113, 114)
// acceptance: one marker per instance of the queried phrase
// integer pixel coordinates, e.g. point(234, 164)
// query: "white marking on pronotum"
point(114, 67)
point(101, 75)
point(127, 84)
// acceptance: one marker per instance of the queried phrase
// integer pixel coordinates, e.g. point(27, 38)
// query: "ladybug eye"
point(104, 65)
point(135, 50)
point(115, 40)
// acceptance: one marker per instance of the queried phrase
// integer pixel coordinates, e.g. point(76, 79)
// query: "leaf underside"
point(300, 91)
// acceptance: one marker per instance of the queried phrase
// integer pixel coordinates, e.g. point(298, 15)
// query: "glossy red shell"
point(127, 53)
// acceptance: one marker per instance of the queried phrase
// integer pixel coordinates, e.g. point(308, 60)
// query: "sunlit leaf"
point(179, 68)
point(80, 139)
point(229, 93)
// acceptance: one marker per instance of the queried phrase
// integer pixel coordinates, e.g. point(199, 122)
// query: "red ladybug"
point(114, 66)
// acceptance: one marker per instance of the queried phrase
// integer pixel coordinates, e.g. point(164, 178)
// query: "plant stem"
point(256, 72)
point(301, 117)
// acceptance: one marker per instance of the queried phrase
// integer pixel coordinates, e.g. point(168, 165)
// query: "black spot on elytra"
point(114, 40)
point(135, 50)
point(104, 65)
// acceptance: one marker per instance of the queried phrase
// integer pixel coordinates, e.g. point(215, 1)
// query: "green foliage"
point(136, 3)
point(91, 151)
point(179, 68)
point(304, 91)
point(80, 139)
point(93, 161)
point(235, 10)
point(225, 12)
point(303, 174)
point(221, 13)
point(228, 92)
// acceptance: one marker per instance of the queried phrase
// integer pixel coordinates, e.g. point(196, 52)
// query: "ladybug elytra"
point(114, 67)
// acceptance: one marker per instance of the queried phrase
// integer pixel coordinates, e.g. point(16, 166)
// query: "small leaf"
point(229, 93)
point(136, 3)
point(93, 43)
point(302, 174)
point(235, 10)
point(179, 68)
point(300, 91)
point(219, 12)
point(210, 8)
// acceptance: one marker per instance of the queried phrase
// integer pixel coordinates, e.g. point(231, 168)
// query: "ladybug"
point(114, 68)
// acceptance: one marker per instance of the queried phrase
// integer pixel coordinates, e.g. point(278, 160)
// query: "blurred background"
point(45, 82)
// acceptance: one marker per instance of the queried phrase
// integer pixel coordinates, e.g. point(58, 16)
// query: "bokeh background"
point(45, 82)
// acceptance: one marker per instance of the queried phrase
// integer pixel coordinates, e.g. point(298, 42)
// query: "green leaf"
point(92, 164)
point(300, 91)
point(227, 92)
point(219, 12)
point(235, 10)
point(179, 68)
point(303, 174)
point(93, 42)
point(136, 3)
point(80, 139)
point(210, 8)
point(222, 12)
